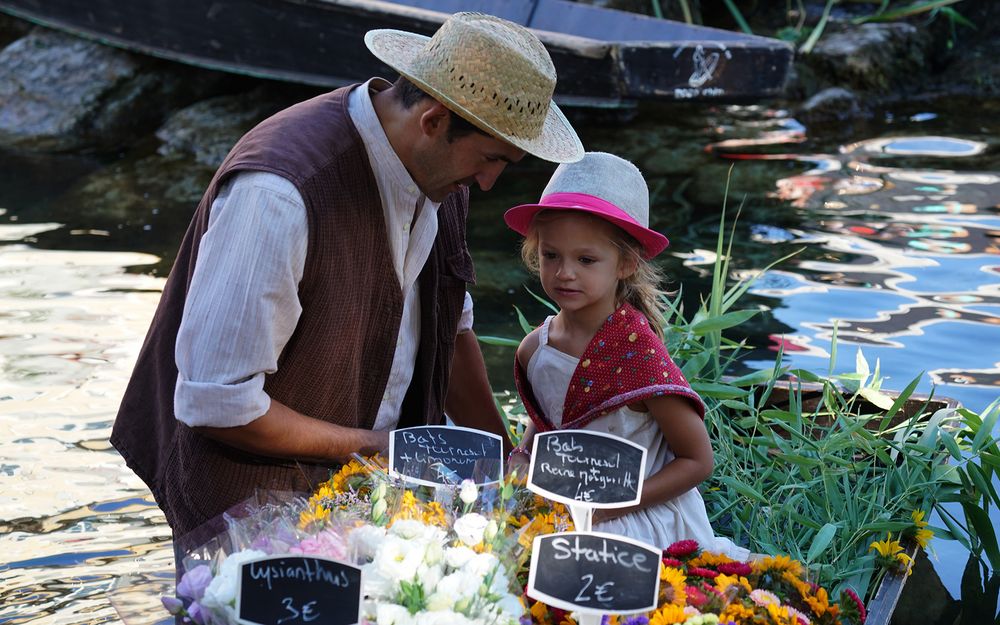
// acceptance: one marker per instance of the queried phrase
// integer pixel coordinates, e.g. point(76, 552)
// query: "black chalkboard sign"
point(292, 590)
point(437, 454)
point(583, 467)
point(594, 572)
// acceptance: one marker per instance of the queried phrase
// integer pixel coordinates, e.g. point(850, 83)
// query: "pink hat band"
point(519, 218)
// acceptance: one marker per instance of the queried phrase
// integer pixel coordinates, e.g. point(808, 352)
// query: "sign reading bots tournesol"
point(437, 454)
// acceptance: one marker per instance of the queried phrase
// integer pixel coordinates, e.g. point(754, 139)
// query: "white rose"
point(443, 617)
point(376, 584)
point(410, 529)
point(470, 528)
point(434, 553)
point(429, 576)
point(480, 565)
point(440, 601)
point(221, 591)
point(511, 607)
point(392, 614)
point(399, 559)
point(365, 540)
point(458, 585)
point(469, 492)
point(456, 557)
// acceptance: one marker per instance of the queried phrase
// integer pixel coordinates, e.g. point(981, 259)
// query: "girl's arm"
point(685, 432)
point(518, 458)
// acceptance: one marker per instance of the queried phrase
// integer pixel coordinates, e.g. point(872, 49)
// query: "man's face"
point(441, 167)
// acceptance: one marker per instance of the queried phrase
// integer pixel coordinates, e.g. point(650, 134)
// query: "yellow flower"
point(668, 614)
point(819, 603)
point(737, 613)
point(723, 582)
point(779, 614)
point(923, 537)
point(710, 560)
point(887, 548)
point(905, 561)
point(539, 612)
point(673, 582)
point(778, 564)
point(918, 518)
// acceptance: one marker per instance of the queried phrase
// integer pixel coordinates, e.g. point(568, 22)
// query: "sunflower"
point(707, 559)
point(778, 564)
point(668, 614)
point(736, 612)
point(673, 585)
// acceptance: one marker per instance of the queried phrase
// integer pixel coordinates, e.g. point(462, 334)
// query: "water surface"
point(896, 220)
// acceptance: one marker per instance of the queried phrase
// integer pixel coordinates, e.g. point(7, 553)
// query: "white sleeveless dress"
point(549, 371)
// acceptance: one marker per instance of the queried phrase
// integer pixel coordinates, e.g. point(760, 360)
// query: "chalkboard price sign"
point(592, 468)
point(594, 572)
point(436, 454)
point(293, 590)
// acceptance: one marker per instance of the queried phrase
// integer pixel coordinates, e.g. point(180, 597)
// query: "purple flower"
point(640, 619)
point(194, 582)
point(172, 604)
point(198, 614)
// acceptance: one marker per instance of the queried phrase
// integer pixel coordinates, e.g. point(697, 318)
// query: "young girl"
point(600, 363)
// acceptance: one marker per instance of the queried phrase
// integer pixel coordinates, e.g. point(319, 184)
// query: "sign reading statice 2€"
point(437, 454)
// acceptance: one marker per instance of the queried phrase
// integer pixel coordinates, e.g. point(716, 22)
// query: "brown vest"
point(336, 363)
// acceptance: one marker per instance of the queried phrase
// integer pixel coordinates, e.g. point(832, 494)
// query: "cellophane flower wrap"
point(266, 526)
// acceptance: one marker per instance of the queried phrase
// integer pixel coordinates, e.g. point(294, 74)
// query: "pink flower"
point(682, 549)
point(695, 597)
point(327, 543)
point(697, 571)
point(672, 562)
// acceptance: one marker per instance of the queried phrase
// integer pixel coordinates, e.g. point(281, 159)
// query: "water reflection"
point(73, 518)
point(902, 249)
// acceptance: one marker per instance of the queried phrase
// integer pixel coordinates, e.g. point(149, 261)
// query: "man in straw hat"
point(318, 299)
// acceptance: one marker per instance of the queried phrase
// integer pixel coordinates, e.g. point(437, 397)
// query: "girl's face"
point(578, 264)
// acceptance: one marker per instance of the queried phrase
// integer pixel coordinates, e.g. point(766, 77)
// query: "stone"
point(875, 58)
point(207, 130)
point(61, 93)
point(830, 105)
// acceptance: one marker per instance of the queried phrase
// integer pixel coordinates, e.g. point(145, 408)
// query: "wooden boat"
point(604, 57)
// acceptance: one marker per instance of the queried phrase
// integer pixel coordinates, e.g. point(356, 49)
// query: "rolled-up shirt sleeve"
point(242, 304)
point(465, 321)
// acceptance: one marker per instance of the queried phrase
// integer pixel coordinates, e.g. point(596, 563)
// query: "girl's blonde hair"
point(641, 288)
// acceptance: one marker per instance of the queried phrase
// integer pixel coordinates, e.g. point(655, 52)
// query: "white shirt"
point(242, 305)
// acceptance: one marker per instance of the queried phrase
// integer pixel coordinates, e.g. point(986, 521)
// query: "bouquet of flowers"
point(428, 555)
point(206, 593)
point(702, 588)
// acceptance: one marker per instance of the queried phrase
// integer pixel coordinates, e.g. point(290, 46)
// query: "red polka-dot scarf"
point(625, 362)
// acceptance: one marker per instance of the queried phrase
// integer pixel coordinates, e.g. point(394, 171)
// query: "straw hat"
point(494, 73)
point(601, 184)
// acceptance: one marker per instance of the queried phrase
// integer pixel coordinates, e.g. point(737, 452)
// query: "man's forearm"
point(284, 433)
point(470, 399)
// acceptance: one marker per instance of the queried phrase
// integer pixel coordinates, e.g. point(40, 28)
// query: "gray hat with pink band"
point(600, 184)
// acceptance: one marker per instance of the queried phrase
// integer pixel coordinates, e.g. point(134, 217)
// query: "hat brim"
point(557, 142)
point(519, 219)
